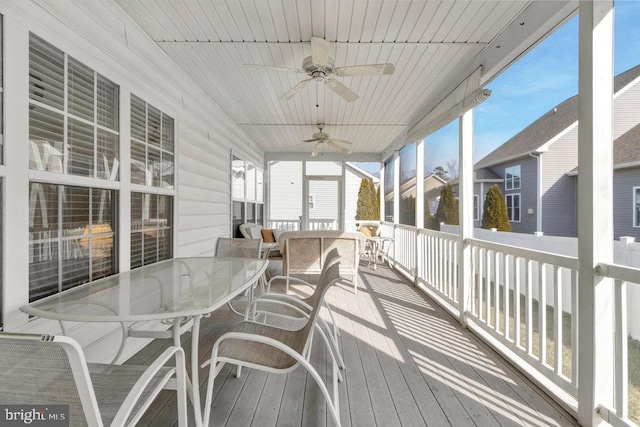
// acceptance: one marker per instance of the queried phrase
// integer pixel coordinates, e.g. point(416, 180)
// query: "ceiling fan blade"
point(365, 70)
point(275, 68)
point(297, 88)
point(338, 147)
point(319, 51)
point(341, 90)
point(312, 139)
point(316, 149)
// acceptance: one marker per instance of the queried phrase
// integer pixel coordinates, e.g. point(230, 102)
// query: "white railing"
point(623, 276)
point(285, 224)
point(404, 248)
point(517, 297)
point(323, 224)
point(437, 264)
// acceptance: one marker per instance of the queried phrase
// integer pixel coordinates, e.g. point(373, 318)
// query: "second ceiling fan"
point(321, 138)
point(320, 67)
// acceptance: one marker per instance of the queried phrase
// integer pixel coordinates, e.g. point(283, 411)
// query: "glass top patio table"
point(175, 289)
point(178, 287)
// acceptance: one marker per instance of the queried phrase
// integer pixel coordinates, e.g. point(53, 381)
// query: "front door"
point(323, 210)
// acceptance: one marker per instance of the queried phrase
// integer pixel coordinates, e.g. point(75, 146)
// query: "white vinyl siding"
point(513, 207)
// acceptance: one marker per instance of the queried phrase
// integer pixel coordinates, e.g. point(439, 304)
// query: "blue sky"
point(537, 82)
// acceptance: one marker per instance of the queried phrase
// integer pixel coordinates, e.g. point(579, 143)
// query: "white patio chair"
point(52, 370)
point(273, 349)
point(291, 307)
point(240, 248)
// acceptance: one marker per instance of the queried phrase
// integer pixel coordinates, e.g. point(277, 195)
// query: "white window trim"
point(506, 187)
point(519, 204)
point(476, 213)
point(633, 206)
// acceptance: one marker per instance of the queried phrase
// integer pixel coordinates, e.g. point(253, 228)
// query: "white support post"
point(381, 190)
point(595, 204)
point(420, 184)
point(15, 227)
point(396, 188)
point(465, 213)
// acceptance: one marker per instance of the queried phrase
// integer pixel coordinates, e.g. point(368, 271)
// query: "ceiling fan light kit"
point(321, 68)
point(320, 138)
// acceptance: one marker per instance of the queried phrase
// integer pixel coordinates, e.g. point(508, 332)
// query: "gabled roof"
point(375, 179)
point(626, 150)
point(554, 121)
point(482, 175)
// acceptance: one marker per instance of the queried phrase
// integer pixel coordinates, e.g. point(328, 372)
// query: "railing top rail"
point(619, 272)
point(405, 227)
point(531, 254)
point(436, 233)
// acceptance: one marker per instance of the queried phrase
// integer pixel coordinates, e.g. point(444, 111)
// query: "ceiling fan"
point(321, 67)
point(321, 138)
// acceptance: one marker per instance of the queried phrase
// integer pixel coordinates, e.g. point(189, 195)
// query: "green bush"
point(368, 207)
point(448, 208)
point(495, 211)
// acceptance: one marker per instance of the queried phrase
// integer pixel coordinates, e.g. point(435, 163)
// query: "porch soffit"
point(433, 44)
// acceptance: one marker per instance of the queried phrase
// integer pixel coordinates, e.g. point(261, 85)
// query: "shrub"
point(448, 208)
point(368, 207)
point(494, 214)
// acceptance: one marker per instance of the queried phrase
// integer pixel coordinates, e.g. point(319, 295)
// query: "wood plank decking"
point(408, 363)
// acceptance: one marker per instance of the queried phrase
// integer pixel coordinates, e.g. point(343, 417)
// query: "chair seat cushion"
point(267, 235)
point(259, 353)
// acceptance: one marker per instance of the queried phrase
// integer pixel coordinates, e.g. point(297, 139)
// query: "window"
point(71, 237)
point(151, 228)
point(512, 178)
point(312, 202)
point(89, 147)
point(636, 206)
point(247, 194)
point(513, 207)
point(476, 208)
point(152, 145)
point(73, 130)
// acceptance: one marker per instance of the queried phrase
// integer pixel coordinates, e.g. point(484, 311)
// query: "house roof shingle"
point(547, 126)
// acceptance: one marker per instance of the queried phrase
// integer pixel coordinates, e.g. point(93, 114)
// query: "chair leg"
point(332, 351)
point(333, 345)
point(323, 388)
point(213, 372)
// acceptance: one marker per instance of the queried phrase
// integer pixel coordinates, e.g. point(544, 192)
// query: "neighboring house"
point(626, 184)
point(531, 168)
point(286, 184)
point(432, 185)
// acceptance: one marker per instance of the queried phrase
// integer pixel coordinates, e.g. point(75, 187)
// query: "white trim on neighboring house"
point(376, 180)
point(635, 199)
point(539, 194)
point(545, 147)
point(519, 205)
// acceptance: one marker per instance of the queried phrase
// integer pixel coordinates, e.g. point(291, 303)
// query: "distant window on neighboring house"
point(476, 208)
point(513, 207)
point(512, 178)
point(636, 206)
point(312, 202)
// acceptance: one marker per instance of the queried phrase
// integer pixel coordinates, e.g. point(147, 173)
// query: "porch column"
point(381, 190)
point(420, 184)
point(465, 213)
point(595, 203)
point(396, 188)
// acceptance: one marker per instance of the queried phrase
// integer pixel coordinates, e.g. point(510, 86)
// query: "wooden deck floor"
point(408, 363)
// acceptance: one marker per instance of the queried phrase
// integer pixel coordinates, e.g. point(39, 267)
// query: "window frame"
point(635, 199)
point(519, 207)
point(258, 190)
point(476, 207)
point(509, 182)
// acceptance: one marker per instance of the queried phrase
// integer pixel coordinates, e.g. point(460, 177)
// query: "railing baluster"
point(481, 254)
point(454, 269)
point(489, 277)
point(621, 365)
point(516, 302)
point(529, 305)
point(557, 319)
point(506, 294)
point(542, 312)
point(496, 291)
point(574, 327)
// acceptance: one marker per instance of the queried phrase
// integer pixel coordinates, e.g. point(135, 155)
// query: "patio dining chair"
point(272, 349)
point(291, 307)
point(45, 370)
point(240, 248)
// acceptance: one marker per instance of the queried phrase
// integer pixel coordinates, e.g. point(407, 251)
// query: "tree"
point(441, 172)
point(448, 208)
point(495, 211)
point(368, 208)
point(378, 203)
point(408, 210)
point(452, 169)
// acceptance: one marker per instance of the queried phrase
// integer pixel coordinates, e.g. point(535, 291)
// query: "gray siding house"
point(534, 168)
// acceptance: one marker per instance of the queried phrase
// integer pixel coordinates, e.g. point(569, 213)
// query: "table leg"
point(193, 384)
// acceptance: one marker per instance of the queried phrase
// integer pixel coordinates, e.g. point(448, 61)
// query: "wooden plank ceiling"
point(431, 43)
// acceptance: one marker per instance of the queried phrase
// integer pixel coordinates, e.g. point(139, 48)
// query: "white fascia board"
point(545, 147)
point(362, 172)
